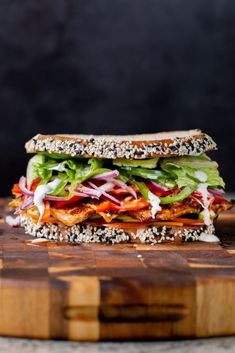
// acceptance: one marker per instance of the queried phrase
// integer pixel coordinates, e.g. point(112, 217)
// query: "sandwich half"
point(146, 188)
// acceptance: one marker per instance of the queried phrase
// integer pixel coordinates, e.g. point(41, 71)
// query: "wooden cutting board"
point(117, 292)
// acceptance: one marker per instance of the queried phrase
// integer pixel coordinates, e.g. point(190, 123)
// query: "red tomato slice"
point(46, 213)
point(218, 199)
point(160, 192)
point(119, 191)
point(132, 205)
point(191, 222)
point(35, 184)
point(16, 190)
point(59, 204)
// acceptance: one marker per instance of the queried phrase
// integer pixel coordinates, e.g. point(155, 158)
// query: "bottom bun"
point(92, 233)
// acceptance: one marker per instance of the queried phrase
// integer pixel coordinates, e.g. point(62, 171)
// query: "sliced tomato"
point(59, 204)
point(197, 194)
point(16, 190)
point(191, 222)
point(218, 199)
point(46, 213)
point(132, 225)
point(160, 192)
point(124, 225)
point(119, 191)
point(35, 184)
point(132, 205)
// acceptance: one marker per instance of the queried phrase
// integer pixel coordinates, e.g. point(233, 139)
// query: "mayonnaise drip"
point(201, 176)
point(13, 222)
point(155, 203)
point(208, 238)
point(202, 188)
point(40, 193)
point(59, 168)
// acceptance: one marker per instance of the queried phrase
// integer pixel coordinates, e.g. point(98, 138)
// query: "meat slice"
point(70, 216)
point(166, 213)
point(225, 205)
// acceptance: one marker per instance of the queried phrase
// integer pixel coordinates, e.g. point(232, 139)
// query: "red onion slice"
point(122, 185)
point(157, 187)
point(111, 198)
point(105, 195)
point(89, 192)
point(216, 192)
point(81, 194)
point(22, 186)
point(27, 203)
point(106, 176)
point(105, 187)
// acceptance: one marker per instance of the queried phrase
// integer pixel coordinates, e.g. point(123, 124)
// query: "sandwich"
point(148, 188)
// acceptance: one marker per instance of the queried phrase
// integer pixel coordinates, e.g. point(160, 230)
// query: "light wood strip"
point(83, 291)
point(215, 307)
point(24, 313)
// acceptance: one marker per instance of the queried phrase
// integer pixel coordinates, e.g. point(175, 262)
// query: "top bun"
point(163, 144)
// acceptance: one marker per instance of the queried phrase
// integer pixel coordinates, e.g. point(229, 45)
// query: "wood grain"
point(123, 292)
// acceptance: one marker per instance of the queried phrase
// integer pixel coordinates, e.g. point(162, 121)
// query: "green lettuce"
point(181, 172)
point(144, 163)
point(183, 169)
point(71, 171)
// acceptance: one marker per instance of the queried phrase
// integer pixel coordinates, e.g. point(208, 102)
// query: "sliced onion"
point(105, 187)
point(109, 197)
point(216, 192)
point(157, 187)
point(106, 176)
point(92, 185)
point(22, 186)
point(122, 185)
point(28, 202)
point(81, 194)
point(105, 195)
point(89, 192)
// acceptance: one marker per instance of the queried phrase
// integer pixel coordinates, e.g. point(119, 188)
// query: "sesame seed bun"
point(164, 144)
point(90, 233)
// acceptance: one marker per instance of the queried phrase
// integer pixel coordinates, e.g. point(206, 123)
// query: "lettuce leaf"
point(71, 171)
point(183, 170)
point(172, 172)
point(144, 163)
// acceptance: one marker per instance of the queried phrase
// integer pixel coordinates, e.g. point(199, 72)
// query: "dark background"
point(115, 66)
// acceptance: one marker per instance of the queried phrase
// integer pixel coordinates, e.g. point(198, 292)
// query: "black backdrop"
point(115, 66)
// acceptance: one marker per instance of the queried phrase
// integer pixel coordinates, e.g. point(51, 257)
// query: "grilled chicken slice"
point(15, 203)
point(166, 213)
point(225, 205)
point(70, 216)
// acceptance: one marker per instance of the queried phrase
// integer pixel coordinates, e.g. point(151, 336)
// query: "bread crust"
point(91, 233)
point(165, 144)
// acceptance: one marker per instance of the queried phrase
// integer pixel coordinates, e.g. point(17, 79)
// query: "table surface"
point(215, 345)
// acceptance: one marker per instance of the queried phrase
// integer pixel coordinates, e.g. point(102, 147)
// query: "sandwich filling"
point(179, 191)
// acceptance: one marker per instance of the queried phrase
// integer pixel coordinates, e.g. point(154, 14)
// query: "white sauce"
point(202, 188)
point(155, 203)
point(13, 222)
point(201, 176)
point(59, 168)
point(39, 240)
point(41, 192)
point(209, 238)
